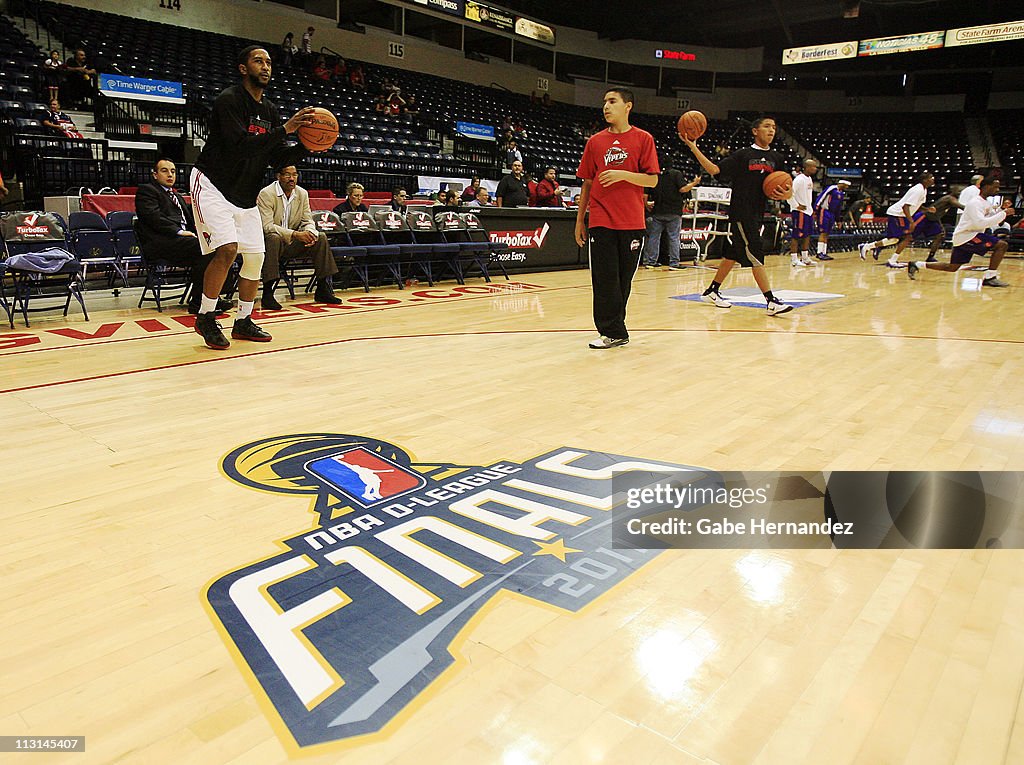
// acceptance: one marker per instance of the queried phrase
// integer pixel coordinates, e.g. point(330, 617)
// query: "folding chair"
point(394, 229)
point(446, 253)
point(126, 243)
point(45, 269)
point(470, 253)
point(92, 244)
point(345, 253)
point(363, 232)
point(476, 232)
point(161, 275)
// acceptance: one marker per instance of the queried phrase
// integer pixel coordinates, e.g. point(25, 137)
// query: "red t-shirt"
point(621, 205)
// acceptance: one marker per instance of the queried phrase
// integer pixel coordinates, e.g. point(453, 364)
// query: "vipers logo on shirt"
point(358, 613)
point(258, 126)
point(615, 155)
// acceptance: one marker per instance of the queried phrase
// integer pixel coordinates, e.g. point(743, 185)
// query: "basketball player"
point(970, 238)
point(906, 223)
point(623, 161)
point(746, 170)
point(827, 209)
point(246, 135)
point(800, 214)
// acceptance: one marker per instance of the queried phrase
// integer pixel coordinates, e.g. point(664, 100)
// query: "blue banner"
point(123, 86)
point(472, 130)
point(845, 172)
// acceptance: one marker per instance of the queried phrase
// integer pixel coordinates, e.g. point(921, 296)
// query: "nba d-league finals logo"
point(359, 614)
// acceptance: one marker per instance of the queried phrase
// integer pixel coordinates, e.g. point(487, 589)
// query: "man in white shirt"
point(969, 193)
point(482, 198)
point(969, 237)
point(802, 221)
point(288, 232)
point(906, 223)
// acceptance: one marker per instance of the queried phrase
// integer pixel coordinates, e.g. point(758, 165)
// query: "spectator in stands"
point(395, 102)
point(857, 209)
point(167, 230)
point(306, 50)
point(545, 100)
point(59, 122)
point(81, 79)
point(288, 50)
point(666, 215)
point(356, 77)
point(353, 200)
point(52, 70)
point(381, 104)
point(513, 154)
point(547, 190)
point(482, 198)
point(398, 199)
point(320, 69)
point(534, 99)
point(451, 198)
point(246, 134)
point(3, 189)
point(469, 193)
point(512, 191)
point(411, 109)
point(531, 189)
point(340, 68)
point(288, 232)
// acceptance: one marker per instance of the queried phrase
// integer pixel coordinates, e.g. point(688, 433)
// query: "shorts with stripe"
point(897, 227)
point(219, 222)
point(745, 244)
point(981, 244)
point(825, 220)
point(801, 224)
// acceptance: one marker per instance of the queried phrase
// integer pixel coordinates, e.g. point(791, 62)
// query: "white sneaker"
point(716, 300)
point(798, 262)
point(863, 247)
point(807, 261)
point(776, 307)
point(601, 343)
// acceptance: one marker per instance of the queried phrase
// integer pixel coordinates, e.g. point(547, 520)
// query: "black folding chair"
point(350, 259)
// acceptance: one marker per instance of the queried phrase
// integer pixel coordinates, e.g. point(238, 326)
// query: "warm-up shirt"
point(914, 198)
point(745, 170)
point(667, 198)
point(803, 190)
point(831, 199)
point(979, 214)
point(621, 205)
point(245, 137)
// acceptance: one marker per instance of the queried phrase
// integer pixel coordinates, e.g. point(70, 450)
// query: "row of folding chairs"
point(401, 246)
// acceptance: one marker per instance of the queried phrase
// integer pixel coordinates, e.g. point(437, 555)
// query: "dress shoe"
point(326, 295)
point(269, 302)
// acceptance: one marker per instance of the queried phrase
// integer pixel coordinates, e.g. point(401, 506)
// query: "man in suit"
point(289, 231)
point(167, 230)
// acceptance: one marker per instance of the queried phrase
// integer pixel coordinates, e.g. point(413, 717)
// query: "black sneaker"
point(269, 303)
point(825, 256)
point(912, 269)
point(246, 329)
point(210, 329)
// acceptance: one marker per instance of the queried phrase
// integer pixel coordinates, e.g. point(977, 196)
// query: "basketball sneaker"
point(994, 281)
point(247, 329)
point(716, 300)
point(210, 329)
point(863, 247)
point(775, 307)
point(824, 256)
point(912, 269)
point(602, 342)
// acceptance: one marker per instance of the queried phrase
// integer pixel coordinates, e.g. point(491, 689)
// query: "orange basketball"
point(321, 133)
point(692, 125)
point(778, 185)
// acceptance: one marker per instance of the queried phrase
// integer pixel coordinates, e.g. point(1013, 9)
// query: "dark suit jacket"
point(158, 215)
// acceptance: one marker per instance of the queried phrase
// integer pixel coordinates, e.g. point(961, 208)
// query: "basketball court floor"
point(167, 584)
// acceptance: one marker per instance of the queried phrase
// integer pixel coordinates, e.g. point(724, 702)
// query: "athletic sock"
point(244, 309)
point(990, 274)
point(713, 288)
point(770, 297)
point(207, 304)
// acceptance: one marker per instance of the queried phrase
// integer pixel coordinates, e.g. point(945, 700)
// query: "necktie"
point(181, 210)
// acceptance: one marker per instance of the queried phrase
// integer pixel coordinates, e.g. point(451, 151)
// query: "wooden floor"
point(116, 518)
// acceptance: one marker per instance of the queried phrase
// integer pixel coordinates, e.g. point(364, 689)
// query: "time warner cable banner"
point(702, 509)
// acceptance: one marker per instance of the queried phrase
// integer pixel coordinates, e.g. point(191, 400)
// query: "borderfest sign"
point(829, 52)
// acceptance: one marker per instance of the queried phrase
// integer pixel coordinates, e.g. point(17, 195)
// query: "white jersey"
point(979, 214)
point(914, 198)
point(803, 188)
point(969, 193)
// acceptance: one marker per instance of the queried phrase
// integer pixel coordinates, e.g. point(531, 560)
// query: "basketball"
point(322, 133)
point(692, 125)
point(778, 185)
